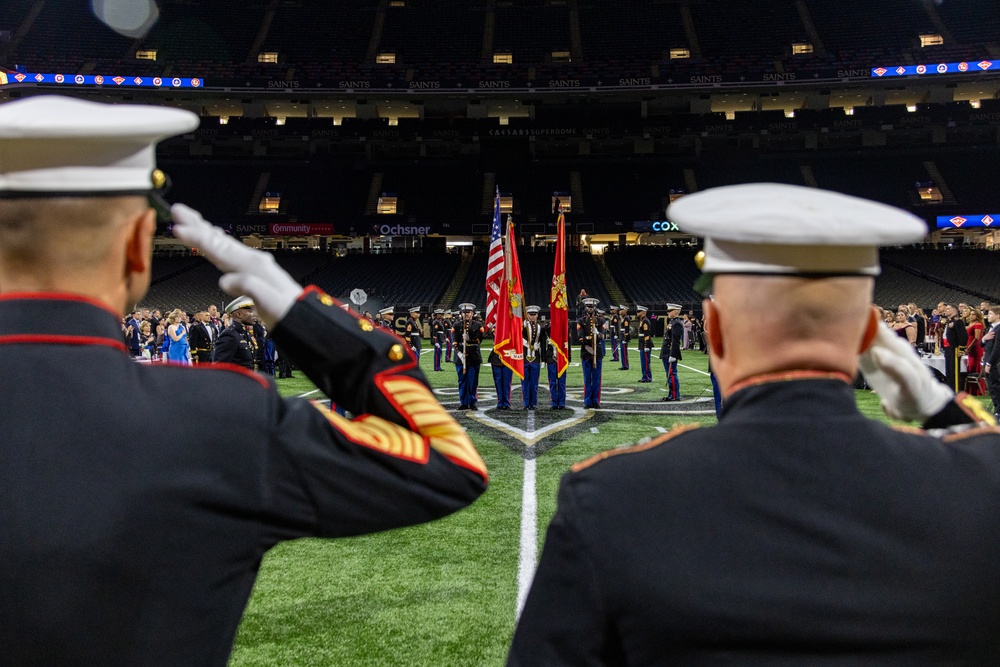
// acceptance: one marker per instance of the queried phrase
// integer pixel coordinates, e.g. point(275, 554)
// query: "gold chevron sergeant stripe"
point(442, 432)
point(379, 434)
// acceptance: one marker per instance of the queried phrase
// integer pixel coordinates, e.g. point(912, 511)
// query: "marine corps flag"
point(558, 308)
point(508, 339)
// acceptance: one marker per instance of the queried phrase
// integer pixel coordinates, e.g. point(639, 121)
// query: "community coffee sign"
point(300, 229)
point(286, 229)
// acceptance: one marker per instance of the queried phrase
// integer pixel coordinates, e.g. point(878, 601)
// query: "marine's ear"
point(870, 330)
point(713, 330)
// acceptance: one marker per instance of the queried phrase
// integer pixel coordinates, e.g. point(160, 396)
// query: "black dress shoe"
point(463, 407)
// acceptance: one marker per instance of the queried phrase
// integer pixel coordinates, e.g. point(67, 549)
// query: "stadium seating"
point(402, 280)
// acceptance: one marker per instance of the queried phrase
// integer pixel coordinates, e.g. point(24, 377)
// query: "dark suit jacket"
point(795, 532)
point(991, 351)
point(199, 338)
point(121, 552)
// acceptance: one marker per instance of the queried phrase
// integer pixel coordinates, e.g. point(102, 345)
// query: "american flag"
point(494, 266)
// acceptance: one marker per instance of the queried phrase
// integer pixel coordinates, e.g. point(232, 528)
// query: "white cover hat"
point(52, 144)
point(772, 228)
point(239, 302)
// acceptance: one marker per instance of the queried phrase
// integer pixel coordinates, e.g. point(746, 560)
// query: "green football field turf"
point(445, 593)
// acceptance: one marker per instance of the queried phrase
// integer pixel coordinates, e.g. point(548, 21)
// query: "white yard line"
point(661, 429)
point(696, 370)
point(529, 529)
point(529, 536)
point(308, 393)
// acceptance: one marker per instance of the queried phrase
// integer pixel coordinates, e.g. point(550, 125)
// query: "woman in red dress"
point(974, 325)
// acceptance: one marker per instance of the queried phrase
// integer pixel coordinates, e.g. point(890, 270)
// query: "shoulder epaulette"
point(674, 432)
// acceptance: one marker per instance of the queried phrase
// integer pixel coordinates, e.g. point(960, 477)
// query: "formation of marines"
point(455, 337)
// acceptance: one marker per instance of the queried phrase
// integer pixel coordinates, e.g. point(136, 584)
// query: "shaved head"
point(766, 324)
point(95, 246)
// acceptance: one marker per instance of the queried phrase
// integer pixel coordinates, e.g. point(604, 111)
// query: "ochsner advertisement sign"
point(400, 230)
point(300, 229)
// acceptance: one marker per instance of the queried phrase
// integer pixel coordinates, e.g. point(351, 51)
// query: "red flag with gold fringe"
point(509, 343)
point(558, 303)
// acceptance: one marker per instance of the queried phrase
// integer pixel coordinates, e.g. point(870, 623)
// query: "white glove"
point(244, 270)
point(907, 389)
point(671, 359)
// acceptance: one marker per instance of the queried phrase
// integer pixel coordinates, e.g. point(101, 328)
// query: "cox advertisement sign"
point(655, 226)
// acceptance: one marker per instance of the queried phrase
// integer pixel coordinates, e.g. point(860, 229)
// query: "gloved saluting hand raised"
point(245, 270)
point(906, 387)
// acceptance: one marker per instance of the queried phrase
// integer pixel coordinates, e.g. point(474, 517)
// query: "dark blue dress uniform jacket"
point(136, 501)
point(795, 532)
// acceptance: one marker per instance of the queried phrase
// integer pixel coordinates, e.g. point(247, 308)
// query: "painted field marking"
point(528, 559)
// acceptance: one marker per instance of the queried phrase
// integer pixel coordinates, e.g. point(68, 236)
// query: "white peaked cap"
point(63, 145)
point(239, 302)
point(772, 228)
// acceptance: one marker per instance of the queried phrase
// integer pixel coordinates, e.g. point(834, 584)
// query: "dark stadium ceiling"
point(787, 97)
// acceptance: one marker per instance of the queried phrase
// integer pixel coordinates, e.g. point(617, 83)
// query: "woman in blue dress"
point(179, 351)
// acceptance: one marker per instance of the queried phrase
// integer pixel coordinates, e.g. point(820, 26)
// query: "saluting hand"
point(245, 270)
point(906, 388)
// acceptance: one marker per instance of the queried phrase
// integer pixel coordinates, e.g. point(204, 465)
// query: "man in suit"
point(132, 333)
point(796, 531)
point(126, 551)
point(953, 344)
point(201, 338)
point(213, 320)
point(991, 357)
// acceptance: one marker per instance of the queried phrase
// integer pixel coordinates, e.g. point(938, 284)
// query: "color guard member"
point(534, 345)
point(624, 336)
point(613, 332)
point(413, 333)
point(468, 334)
point(437, 336)
point(385, 319)
point(449, 325)
point(670, 351)
point(645, 335)
point(590, 331)
point(557, 383)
